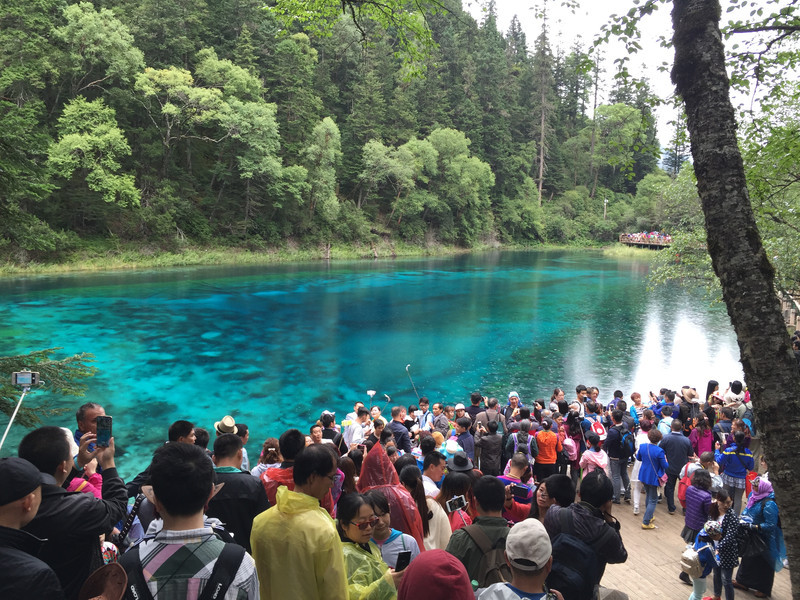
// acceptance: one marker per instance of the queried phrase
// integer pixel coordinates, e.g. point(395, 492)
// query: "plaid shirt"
point(177, 565)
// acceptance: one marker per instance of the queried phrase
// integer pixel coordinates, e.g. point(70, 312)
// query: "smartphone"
point(403, 558)
point(103, 431)
point(456, 503)
point(520, 491)
point(25, 378)
point(362, 447)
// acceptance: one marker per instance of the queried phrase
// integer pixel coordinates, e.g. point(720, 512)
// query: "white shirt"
point(431, 491)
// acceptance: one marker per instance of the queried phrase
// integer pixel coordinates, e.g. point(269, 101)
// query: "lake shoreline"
point(106, 257)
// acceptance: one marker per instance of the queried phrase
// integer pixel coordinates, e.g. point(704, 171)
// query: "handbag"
point(750, 542)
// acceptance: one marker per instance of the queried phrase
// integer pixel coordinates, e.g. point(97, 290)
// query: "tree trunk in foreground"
point(738, 257)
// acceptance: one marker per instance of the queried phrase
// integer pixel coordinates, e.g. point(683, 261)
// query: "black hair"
point(738, 438)
point(580, 388)
point(346, 510)
point(46, 448)
point(524, 413)
point(427, 445)
point(411, 478)
point(291, 443)
point(736, 387)
point(475, 398)
point(492, 426)
point(455, 483)
point(667, 411)
point(711, 388)
point(622, 405)
point(242, 430)
point(560, 488)
point(378, 501)
point(727, 412)
point(201, 437)
point(677, 425)
point(592, 439)
point(227, 445)
point(182, 478)
point(489, 493)
point(386, 435)
point(592, 407)
point(405, 461)
point(432, 459)
point(464, 422)
point(424, 400)
point(362, 411)
point(616, 415)
point(596, 488)
point(574, 422)
point(313, 460)
point(357, 456)
point(618, 394)
point(327, 420)
point(721, 496)
point(701, 479)
point(179, 429)
point(391, 451)
point(669, 395)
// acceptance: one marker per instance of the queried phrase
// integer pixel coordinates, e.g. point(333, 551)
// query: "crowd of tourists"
point(494, 500)
point(647, 237)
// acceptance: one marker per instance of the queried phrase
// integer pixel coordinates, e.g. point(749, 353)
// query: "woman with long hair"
point(435, 525)
point(456, 483)
point(348, 468)
point(368, 577)
point(270, 457)
point(702, 438)
point(549, 444)
point(558, 403)
point(575, 432)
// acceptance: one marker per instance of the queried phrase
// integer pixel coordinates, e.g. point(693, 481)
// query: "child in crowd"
point(594, 457)
point(705, 546)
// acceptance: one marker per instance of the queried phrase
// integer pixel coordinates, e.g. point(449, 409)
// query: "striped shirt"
point(177, 564)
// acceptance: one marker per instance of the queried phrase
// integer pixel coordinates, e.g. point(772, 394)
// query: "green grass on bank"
point(109, 255)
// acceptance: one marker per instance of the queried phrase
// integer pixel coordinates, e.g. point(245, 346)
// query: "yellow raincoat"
point(297, 550)
point(368, 577)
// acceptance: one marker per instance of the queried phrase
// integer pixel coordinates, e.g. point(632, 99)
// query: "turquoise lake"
point(275, 345)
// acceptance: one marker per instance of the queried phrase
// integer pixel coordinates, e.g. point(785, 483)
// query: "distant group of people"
point(498, 500)
point(648, 237)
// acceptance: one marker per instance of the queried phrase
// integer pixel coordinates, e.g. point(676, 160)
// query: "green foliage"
point(91, 142)
point(59, 376)
point(322, 156)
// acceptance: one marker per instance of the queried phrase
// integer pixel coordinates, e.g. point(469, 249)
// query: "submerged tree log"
point(737, 254)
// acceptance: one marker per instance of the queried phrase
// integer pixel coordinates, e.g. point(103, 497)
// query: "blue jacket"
point(654, 463)
point(765, 513)
point(401, 439)
point(707, 556)
point(733, 465)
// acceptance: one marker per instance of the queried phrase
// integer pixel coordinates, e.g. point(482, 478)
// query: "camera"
point(456, 503)
point(25, 378)
point(519, 491)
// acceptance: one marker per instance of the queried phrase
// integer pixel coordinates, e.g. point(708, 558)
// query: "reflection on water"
point(275, 345)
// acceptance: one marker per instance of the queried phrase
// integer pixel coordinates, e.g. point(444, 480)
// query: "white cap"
point(528, 545)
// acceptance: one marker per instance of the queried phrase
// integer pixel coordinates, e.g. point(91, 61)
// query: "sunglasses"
point(366, 524)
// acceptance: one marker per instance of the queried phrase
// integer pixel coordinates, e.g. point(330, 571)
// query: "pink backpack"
point(571, 447)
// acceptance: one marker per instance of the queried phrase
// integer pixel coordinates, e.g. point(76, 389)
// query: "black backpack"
point(627, 444)
point(222, 575)
point(576, 568)
point(493, 567)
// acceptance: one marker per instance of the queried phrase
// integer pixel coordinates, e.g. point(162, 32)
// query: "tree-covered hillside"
point(207, 121)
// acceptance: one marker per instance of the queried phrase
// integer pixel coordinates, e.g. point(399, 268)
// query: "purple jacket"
point(697, 504)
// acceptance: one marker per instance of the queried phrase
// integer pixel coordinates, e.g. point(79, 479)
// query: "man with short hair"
point(440, 422)
point(297, 550)
point(618, 462)
point(185, 556)
point(491, 414)
point(242, 497)
point(723, 426)
point(665, 424)
point(22, 574)
point(581, 396)
point(86, 416)
point(592, 522)
point(529, 556)
point(475, 408)
point(433, 468)
point(356, 432)
point(426, 416)
point(398, 428)
point(352, 416)
point(329, 432)
point(678, 450)
point(517, 467)
point(72, 523)
point(489, 494)
point(464, 437)
point(183, 432)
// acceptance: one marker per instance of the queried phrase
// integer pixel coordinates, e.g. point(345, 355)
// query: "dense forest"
point(192, 121)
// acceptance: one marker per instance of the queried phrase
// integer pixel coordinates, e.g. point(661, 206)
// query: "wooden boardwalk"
point(651, 572)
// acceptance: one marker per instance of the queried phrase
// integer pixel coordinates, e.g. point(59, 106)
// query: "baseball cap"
point(528, 545)
point(460, 406)
point(19, 479)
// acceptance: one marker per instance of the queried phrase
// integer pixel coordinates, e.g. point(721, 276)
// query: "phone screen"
point(403, 558)
point(103, 431)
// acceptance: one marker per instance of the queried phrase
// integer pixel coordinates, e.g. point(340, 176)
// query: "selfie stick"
point(25, 390)
point(412, 381)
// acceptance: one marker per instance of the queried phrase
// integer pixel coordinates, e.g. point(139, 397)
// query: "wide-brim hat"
point(226, 425)
point(459, 462)
point(109, 582)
